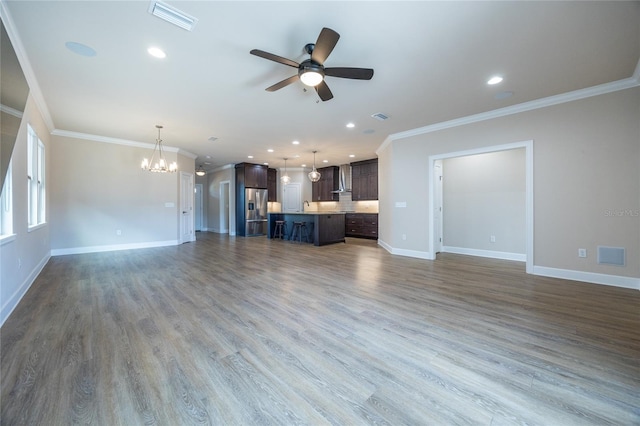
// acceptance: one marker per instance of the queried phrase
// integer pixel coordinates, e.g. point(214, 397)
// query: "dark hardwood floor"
point(243, 331)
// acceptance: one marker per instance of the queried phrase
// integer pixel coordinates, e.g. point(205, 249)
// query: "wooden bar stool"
point(280, 229)
point(300, 230)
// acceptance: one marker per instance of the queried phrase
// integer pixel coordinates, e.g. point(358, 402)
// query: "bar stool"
point(280, 229)
point(300, 230)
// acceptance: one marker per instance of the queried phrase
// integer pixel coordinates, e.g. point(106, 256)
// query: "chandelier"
point(285, 179)
point(158, 164)
point(314, 175)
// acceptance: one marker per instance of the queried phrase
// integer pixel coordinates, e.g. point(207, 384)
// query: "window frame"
point(36, 180)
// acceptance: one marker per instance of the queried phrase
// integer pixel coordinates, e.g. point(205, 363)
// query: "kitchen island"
point(323, 227)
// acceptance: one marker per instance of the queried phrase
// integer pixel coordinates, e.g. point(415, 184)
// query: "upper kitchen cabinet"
point(364, 180)
point(272, 184)
point(251, 175)
point(326, 188)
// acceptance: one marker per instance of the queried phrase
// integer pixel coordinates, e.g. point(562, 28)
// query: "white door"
point(186, 208)
point(292, 202)
point(199, 207)
point(437, 208)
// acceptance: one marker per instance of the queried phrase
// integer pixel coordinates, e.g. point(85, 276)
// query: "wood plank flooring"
point(244, 331)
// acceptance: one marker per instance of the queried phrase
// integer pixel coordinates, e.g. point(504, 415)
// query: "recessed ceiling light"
point(156, 52)
point(296, 142)
point(350, 125)
point(270, 150)
point(207, 163)
point(212, 139)
point(249, 156)
point(351, 155)
point(266, 164)
point(325, 161)
point(303, 165)
point(80, 49)
point(495, 80)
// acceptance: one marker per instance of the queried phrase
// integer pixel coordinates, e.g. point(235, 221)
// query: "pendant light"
point(158, 164)
point(285, 179)
point(314, 175)
point(200, 171)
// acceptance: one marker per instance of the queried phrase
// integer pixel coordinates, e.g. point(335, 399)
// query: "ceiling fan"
point(312, 71)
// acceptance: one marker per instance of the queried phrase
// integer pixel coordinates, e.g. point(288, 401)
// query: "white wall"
point(484, 196)
point(586, 165)
point(22, 258)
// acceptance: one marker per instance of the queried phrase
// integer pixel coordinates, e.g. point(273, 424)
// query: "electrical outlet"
point(118, 231)
point(493, 238)
point(404, 236)
point(582, 252)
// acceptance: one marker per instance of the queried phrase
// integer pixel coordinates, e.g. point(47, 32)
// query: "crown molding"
point(11, 111)
point(116, 141)
point(588, 92)
point(34, 88)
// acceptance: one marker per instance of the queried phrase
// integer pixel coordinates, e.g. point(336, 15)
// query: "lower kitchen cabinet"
point(361, 225)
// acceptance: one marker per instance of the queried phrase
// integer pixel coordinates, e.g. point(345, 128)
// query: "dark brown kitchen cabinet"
point(361, 225)
point(272, 184)
point(251, 175)
point(324, 189)
point(364, 180)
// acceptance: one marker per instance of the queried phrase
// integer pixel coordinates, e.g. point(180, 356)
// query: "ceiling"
point(431, 60)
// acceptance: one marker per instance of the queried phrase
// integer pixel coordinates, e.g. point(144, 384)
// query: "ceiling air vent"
point(172, 15)
point(380, 116)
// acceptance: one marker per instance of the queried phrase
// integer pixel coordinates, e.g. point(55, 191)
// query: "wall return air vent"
point(172, 15)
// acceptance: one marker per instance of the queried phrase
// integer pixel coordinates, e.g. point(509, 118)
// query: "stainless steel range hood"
point(344, 181)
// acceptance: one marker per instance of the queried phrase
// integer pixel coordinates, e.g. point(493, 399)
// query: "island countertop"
point(323, 227)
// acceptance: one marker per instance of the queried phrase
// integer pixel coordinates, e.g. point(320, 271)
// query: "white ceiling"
point(431, 62)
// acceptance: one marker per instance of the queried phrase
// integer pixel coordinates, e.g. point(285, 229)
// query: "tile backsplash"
point(345, 204)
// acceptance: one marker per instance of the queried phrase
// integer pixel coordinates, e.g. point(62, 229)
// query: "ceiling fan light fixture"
point(311, 74)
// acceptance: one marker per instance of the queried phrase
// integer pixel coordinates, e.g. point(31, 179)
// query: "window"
point(6, 205)
point(36, 179)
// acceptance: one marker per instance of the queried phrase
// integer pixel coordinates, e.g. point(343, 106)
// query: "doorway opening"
point(434, 201)
point(225, 212)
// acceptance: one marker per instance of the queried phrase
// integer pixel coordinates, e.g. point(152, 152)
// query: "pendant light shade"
point(314, 175)
point(285, 179)
point(158, 163)
point(200, 171)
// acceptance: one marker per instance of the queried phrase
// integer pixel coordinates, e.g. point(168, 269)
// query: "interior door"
point(292, 202)
point(186, 208)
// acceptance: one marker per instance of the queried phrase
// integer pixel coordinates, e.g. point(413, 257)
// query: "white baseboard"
point(404, 252)
point(589, 277)
point(520, 257)
point(17, 295)
point(114, 247)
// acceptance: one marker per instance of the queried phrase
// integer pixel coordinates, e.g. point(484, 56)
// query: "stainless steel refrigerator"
point(256, 211)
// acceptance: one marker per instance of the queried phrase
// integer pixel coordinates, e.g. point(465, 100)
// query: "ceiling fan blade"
point(354, 73)
point(275, 58)
point(283, 83)
point(323, 91)
point(324, 45)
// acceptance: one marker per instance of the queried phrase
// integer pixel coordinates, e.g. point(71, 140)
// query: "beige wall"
point(24, 255)
point(98, 188)
point(586, 167)
point(484, 196)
